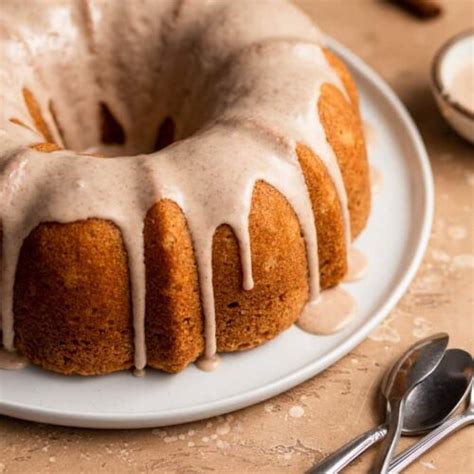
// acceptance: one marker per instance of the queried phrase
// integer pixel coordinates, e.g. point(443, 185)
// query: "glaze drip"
point(358, 265)
point(11, 360)
point(376, 179)
point(208, 364)
point(334, 310)
point(246, 98)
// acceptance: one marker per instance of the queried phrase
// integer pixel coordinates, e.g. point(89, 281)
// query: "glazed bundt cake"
point(177, 178)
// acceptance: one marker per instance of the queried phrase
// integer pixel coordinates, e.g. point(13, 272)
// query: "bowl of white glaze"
point(453, 83)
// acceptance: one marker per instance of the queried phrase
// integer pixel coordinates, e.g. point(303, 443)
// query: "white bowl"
point(455, 51)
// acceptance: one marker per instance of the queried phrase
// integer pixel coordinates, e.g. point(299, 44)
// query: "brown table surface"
point(292, 431)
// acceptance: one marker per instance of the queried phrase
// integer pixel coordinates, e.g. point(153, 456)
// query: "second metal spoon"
point(341, 458)
point(447, 383)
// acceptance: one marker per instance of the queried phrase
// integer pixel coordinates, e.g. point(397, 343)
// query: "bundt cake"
point(177, 178)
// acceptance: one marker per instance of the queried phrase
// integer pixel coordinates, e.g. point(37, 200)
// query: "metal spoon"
point(342, 457)
point(447, 383)
point(412, 368)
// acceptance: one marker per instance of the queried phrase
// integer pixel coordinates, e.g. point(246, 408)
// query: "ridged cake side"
point(64, 270)
point(78, 285)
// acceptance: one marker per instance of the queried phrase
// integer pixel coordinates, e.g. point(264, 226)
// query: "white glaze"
point(139, 372)
point(358, 265)
point(11, 360)
point(376, 179)
point(334, 310)
point(370, 134)
point(208, 364)
point(246, 96)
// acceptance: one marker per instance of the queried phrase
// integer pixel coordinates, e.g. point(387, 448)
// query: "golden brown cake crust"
point(343, 127)
point(327, 216)
point(35, 112)
point(248, 318)
point(65, 270)
point(173, 320)
point(72, 302)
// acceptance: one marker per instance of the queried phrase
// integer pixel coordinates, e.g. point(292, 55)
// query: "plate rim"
point(149, 419)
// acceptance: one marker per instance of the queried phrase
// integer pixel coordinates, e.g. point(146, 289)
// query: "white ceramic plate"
point(394, 241)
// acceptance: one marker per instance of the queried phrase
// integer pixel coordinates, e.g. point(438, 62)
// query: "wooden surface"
point(292, 431)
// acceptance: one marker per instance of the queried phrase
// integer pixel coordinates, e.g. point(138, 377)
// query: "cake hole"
point(115, 129)
point(52, 111)
point(111, 131)
point(46, 147)
point(234, 304)
point(35, 112)
point(19, 122)
point(165, 135)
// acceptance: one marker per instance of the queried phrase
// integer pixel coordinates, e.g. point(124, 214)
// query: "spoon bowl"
point(415, 365)
point(447, 428)
point(440, 395)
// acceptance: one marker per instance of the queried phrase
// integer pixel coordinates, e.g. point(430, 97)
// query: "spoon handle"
point(395, 423)
point(406, 457)
point(343, 456)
